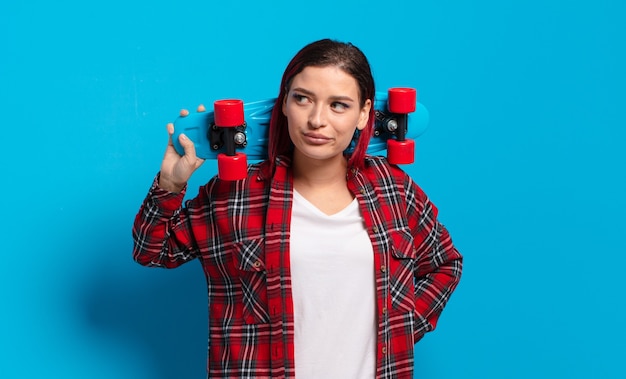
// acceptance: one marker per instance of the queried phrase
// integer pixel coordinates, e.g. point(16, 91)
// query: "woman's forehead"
point(326, 78)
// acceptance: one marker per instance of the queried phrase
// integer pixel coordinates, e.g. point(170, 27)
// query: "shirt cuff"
point(166, 200)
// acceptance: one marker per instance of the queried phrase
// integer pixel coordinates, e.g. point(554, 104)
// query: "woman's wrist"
point(168, 185)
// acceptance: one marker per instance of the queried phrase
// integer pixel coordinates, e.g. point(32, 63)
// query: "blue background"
point(524, 156)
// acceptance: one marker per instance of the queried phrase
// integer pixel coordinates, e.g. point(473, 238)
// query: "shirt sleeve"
point(438, 263)
point(161, 236)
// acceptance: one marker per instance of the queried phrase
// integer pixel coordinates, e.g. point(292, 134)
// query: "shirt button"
point(384, 349)
point(384, 310)
point(257, 264)
point(362, 190)
point(383, 268)
point(375, 229)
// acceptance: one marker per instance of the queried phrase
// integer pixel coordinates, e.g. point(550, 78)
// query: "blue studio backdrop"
point(524, 156)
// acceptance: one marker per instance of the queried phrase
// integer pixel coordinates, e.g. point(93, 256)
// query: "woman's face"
point(323, 111)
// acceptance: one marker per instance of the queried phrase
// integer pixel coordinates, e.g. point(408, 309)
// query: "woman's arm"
point(438, 265)
point(161, 233)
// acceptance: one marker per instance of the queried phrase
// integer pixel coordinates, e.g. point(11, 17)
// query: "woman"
point(318, 264)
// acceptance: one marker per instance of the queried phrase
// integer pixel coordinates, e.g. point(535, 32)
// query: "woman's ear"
point(284, 104)
point(364, 115)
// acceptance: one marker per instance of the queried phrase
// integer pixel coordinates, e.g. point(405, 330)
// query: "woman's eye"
point(339, 106)
point(300, 99)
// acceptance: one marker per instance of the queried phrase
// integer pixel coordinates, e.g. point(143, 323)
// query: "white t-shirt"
point(334, 293)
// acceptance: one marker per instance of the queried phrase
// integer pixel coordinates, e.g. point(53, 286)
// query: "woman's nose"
point(317, 117)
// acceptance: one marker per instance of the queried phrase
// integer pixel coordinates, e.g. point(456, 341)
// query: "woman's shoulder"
point(382, 173)
point(380, 166)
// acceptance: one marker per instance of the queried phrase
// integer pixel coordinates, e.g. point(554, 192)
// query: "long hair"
point(324, 53)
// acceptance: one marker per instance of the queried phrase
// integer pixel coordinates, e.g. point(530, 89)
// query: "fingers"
point(188, 146)
point(190, 150)
point(170, 132)
point(188, 158)
point(177, 168)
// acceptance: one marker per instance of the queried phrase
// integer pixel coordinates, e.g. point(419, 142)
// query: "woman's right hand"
point(176, 170)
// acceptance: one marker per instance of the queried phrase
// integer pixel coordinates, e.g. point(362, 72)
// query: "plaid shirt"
point(239, 231)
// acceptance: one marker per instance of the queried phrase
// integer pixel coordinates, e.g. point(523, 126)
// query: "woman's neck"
point(323, 183)
point(319, 174)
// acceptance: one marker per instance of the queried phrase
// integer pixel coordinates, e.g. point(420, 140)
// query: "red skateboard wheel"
point(401, 152)
point(232, 167)
point(228, 113)
point(402, 100)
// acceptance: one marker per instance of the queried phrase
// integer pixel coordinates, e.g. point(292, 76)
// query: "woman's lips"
point(316, 139)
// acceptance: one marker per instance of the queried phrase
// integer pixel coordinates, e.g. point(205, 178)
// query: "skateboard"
point(234, 131)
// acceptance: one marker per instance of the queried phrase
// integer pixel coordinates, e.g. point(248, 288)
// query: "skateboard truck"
point(228, 131)
point(400, 102)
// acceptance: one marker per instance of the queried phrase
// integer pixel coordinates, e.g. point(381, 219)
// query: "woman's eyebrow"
point(304, 91)
point(311, 94)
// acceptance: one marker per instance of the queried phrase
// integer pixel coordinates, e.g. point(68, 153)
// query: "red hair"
point(323, 53)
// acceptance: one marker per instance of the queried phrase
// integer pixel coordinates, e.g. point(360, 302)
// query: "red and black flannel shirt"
point(239, 231)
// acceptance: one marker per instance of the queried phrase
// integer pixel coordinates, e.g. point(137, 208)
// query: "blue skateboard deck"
point(252, 139)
